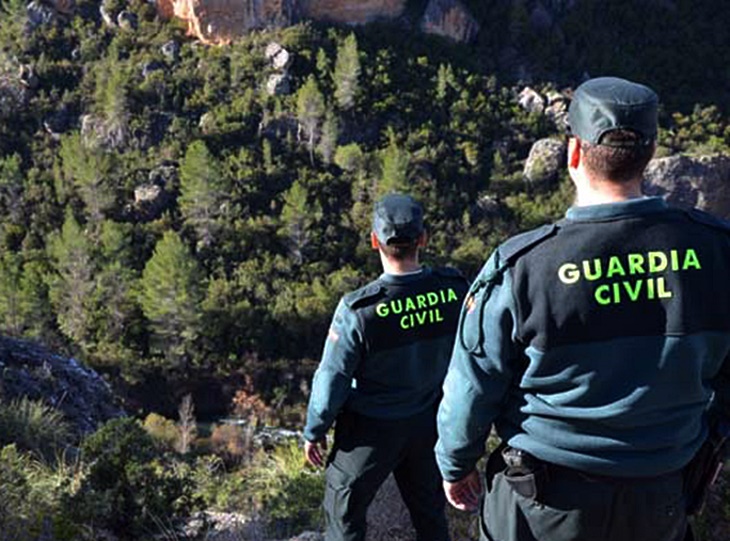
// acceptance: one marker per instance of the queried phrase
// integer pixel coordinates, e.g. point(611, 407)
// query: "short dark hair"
point(620, 156)
point(400, 251)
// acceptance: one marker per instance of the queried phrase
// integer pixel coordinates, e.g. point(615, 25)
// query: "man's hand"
point(464, 493)
point(315, 451)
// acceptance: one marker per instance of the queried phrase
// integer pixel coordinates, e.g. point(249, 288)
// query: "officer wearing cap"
point(380, 380)
point(596, 347)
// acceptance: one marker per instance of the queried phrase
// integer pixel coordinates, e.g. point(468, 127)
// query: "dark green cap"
point(397, 218)
point(607, 104)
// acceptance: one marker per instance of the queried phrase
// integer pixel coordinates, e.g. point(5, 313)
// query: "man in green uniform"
point(380, 378)
point(597, 347)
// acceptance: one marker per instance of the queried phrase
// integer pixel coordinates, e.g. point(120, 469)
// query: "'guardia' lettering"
point(418, 310)
point(636, 269)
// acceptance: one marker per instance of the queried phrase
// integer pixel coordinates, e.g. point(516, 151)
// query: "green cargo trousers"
point(572, 506)
point(365, 452)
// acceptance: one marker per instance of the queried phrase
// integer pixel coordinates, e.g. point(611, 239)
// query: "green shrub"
point(128, 487)
point(162, 430)
point(288, 493)
point(33, 426)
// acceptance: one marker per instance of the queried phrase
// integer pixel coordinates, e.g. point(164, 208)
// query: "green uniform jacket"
point(388, 348)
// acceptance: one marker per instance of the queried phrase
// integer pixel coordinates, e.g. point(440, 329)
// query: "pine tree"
point(11, 188)
point(11, 305)
point(201, 194)
point(328, 140)
point(395, 162)
point(170, 297)
point(71, 288)
point(347, 73)
point(310, 109)
point(89, 170)
point(298, 217)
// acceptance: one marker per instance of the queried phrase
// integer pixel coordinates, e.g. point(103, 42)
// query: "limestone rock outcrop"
point(450, 19)
point(689, 181)
point(222, 21)
point(30, 370)
point(545, 162)
point(352, 11)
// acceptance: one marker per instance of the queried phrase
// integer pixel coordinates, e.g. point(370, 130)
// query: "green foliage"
point(33, 426)
point(347, 73)
point(289, 493)
point(162, 430)
point(170, 296)
point(395, 162)
point(127, 487)
point(310, 110)
point(201, 191)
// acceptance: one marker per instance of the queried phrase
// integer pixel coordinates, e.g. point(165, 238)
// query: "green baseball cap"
point(606, 104)
point(397, 218)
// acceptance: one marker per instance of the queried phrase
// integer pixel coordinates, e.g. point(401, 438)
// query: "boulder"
point(545, 162)
point(171, 50)
point(278, 84)
point(531, 100)
point(30, 370)
point(127, 21)
point(281, 60)
point(450, 19)
point(691, 181)
point(108, 134)
point(223, 21)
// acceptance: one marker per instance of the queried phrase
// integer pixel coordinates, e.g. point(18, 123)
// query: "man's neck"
point(391, 266)
point(599, 192)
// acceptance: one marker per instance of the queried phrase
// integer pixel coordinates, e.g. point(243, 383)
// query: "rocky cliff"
point(30, 370)
point(222, 21)
point(351, 11)
point(450, 19)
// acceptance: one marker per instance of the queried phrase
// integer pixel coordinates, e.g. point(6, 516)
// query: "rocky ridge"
point(30, 370)
point(223, 21)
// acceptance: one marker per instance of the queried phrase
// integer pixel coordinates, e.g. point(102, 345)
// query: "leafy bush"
point(288, 493)
point(162, 430)
point(128, 488)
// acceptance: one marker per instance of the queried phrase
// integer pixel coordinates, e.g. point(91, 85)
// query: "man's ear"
point(374, 241)
point(574, 152)
point(422, 240)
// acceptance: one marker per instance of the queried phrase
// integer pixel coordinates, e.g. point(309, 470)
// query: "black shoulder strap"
point(364, 295)
point(513, 248)
point(507, 254)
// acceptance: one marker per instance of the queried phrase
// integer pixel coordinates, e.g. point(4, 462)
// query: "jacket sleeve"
point(333, 379)
point(479, 374)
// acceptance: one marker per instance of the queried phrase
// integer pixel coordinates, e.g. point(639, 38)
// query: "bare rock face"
point(29, 370)
point(687, 181)
point(450, 19)
point(222, 21)
point(352, 11)
point(545, 162)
